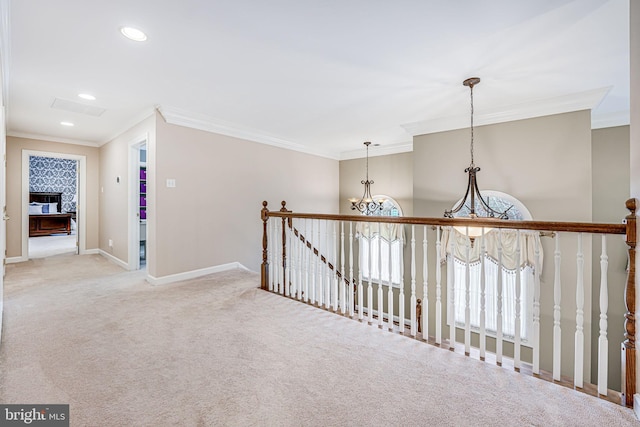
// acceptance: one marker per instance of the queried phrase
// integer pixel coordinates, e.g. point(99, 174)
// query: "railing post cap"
point(632, 204)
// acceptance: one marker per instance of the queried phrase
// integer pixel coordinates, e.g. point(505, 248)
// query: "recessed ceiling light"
point(87, 96)
point(133, 34)
point(66, 124)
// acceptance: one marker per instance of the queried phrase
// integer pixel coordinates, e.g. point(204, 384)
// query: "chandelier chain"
point(472, 162)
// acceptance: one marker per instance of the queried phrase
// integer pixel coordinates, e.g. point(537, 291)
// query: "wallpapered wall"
point(55, 175)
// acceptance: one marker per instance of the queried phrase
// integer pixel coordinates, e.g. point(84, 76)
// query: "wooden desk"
point(46, 224)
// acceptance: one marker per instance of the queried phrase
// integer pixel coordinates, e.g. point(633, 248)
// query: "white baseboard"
point(111, 258)
point(16, 259)
point(91, 252)
point(636, 405)
point(194, 273)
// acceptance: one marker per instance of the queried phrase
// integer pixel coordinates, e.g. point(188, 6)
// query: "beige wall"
point(611, 171)
point(212, 216)
point(14, 187)
point(114, 196)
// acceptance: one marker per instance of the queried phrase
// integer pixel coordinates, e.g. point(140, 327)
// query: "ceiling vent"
point(76, 107)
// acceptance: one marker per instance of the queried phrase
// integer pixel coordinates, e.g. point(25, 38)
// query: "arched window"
point(381, 246)
point(456, 259)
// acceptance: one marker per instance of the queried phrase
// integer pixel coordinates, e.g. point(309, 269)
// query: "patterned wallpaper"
point(53, 174)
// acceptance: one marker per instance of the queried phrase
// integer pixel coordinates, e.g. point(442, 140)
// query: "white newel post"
point(413, 300)
point(579, 344)
point(603, 343)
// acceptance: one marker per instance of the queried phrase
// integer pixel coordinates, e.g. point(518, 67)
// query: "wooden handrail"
point(575, 227)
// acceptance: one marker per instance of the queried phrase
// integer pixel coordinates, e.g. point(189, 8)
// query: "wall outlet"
point(110, 243)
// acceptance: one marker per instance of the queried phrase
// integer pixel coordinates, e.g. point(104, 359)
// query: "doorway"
point(55, 173)
point(52, 225)
point(138, 203)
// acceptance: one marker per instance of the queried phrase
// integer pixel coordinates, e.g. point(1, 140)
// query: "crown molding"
point(40, 137)
point(587, 100)
point(144, 115)
point(609, 120)
point(201, 122)
point(403, 147)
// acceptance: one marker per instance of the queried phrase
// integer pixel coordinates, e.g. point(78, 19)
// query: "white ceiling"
point(320, 76)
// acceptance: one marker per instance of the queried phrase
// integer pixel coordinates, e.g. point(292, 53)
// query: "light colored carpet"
point(219, 351)
point(44, 246)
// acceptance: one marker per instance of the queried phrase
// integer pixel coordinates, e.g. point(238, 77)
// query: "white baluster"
point(557, 333)
point(438, 288)
point(314, 264)
point(603, 342)
point(270, 259)
point(536, 310)
point(380, 295)
point(287, 266)
point(413, 300)
point(483, 297)
point(370, 284)
point(500, 289)
point(301, 266)
point(467, 297)
point(343, 272)
point(401, 313)
point(451, 290)
point(334, 248)
point(307, 256)
point(327, 270)
point(277, 248)
point(517, 339)
point(351, 282)
point(425, 287)
point(319, 271)
point(390, 288)
point(579, 343)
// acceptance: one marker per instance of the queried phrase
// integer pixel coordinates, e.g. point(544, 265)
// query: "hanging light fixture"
point(476, 201)
point(366, 204)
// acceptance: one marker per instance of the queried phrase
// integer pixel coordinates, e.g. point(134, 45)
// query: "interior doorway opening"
point(53, 204)
point(138, 203)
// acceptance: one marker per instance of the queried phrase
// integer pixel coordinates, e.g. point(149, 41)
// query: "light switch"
point(171, 183)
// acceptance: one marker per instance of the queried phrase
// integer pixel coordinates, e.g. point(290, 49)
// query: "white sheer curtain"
point(375, 244)
point(491, 296)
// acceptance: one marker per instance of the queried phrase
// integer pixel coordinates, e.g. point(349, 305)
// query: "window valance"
point(528, 242)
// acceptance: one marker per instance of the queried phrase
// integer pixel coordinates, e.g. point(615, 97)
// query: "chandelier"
point(476, 201)
point(366, 205)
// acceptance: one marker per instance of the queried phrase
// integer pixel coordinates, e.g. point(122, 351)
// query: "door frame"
point(81, 204)
point(134, 200)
